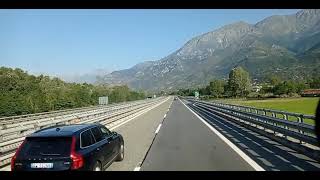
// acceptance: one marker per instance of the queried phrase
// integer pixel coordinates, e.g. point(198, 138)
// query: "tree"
point(216, 88)
point(239, 82)
point(275, 80)
point(285, 87)
point(314, 82)
point(266, 89)
point(300, 86)
point(203, 91)
point(21, 93)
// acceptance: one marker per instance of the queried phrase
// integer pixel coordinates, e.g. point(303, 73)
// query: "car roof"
point(62, 130)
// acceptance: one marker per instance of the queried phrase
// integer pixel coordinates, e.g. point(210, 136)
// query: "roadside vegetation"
point(272, 93)
point(21, 93)
point(303, 105)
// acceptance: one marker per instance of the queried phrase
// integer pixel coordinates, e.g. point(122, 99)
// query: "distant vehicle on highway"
point(89, 147)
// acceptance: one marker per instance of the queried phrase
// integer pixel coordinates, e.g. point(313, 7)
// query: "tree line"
point(239, 84)
point(21, 93)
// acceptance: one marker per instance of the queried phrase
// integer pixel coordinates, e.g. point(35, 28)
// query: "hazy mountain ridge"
point(276, 44)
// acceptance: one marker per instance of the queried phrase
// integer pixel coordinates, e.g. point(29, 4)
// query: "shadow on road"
point(269, 154)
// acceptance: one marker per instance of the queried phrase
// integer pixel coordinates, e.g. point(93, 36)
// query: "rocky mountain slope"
point(287, 45)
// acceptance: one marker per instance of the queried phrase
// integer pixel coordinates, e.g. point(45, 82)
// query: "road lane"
point(138, 135)
point(185, 143)
point(270, 155)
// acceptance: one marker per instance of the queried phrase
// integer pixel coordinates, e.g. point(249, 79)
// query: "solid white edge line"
point(137, 169)
point(251, 162)
point(164, 115)
point(158, 128)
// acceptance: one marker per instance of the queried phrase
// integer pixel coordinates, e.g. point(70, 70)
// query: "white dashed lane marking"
point(158, 129)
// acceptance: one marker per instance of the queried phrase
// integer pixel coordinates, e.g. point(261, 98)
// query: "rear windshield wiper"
point(43, 154)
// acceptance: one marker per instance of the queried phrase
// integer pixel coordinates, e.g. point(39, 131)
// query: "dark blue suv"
point(90, 147)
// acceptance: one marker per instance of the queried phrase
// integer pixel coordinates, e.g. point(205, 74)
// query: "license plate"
point(42, 165)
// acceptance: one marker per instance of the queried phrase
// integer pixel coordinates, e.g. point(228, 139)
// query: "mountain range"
point(283, 45)
point(92, 77)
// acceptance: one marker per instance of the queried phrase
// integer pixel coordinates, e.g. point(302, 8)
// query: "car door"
point(111, 139)
point(104, 146)
point(88, 149)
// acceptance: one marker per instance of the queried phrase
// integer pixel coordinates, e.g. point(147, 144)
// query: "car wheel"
point(97, 166)
point(120, 156)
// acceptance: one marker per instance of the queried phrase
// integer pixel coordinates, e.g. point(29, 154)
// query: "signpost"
point(103, 100)
point(196, 94)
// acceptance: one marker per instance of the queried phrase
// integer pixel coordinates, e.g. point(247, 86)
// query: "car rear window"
point(53, 146)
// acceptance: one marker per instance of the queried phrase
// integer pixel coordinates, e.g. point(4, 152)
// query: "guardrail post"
point(36, 127)
point(274, 115)
point(1, 136)
point(264, 112)
point(300, 120)
point(285, 117)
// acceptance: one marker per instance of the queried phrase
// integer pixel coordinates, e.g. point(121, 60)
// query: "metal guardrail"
point(73, 115)
point(35, 115)
point(12, 136)
point(298, 130)
point(28, 117)
point(274, 113)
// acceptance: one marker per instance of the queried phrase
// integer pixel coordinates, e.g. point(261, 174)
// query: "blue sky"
point(61, 42)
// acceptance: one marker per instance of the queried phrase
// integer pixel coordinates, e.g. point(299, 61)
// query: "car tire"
point(97, 166)
point(120, 156)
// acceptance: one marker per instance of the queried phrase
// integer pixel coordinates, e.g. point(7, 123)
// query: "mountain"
point(287, 45)
point(89, 77)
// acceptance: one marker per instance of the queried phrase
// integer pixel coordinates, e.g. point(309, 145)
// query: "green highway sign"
point(196, 94)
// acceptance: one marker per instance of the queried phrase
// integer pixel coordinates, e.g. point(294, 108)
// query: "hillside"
point(286, 45)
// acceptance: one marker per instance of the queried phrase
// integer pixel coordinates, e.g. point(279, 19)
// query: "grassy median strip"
point(297, 105)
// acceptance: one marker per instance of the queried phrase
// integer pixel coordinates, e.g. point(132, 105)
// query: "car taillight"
point(14, 157)
point(77, 159)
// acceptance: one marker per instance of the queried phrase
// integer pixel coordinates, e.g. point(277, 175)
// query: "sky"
point(65, 42)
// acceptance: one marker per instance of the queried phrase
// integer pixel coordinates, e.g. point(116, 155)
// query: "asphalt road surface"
point(138, 135)
point(269, 154)
point(177, 136)
point(184, 143)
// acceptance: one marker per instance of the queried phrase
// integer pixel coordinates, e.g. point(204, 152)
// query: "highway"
point(177, 135)
point(184, 142)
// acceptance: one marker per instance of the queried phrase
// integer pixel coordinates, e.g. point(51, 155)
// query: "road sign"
point(103, 100)
point(196, 94)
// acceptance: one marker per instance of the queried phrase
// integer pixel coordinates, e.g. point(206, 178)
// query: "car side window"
point(105, 132)
point(87, 139)
point(97, 134)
